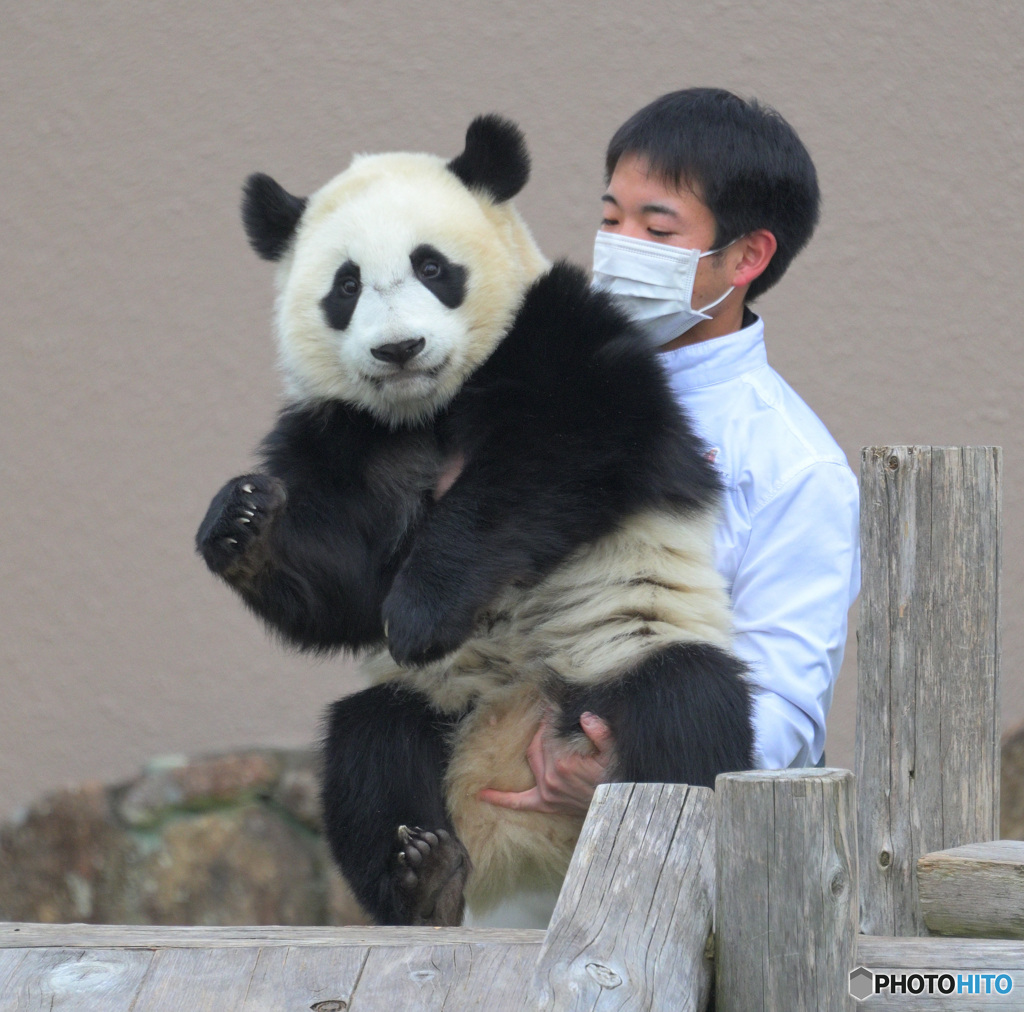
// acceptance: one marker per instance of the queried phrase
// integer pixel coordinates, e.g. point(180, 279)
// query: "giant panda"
point(479, 482)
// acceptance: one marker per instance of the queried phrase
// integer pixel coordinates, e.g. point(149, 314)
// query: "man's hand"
point(566, 780)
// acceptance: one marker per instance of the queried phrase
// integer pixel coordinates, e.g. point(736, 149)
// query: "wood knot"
point(604, 975)
point(838, 883)
point(884, 859)
point(331, 1005)
point(893, 463)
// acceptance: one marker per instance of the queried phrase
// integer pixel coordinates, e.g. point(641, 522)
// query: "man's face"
point(642, 205)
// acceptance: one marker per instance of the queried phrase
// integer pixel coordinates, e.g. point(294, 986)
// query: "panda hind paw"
point(430, 871)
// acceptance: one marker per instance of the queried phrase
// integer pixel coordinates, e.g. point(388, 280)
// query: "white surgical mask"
point(652, 282)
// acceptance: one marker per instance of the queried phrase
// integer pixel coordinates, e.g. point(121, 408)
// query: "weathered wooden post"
point(928, 657)
point(634, 916)
point(785, 890)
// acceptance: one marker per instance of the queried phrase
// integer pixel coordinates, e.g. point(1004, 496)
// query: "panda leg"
point(385, 817)
point(682, 715)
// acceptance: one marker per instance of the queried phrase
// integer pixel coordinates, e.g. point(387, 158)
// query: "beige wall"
point(137, 372)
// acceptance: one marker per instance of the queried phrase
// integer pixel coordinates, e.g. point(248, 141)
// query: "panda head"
point(401, 275)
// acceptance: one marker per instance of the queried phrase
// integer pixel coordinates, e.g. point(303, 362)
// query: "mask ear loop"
point(721, 298)
point(730, 289)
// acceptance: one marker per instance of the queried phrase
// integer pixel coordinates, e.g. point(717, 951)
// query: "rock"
point(198, 785)
point(229, 839)
point(298, 789)
point(239, 866)
point(61, 860)
point(1011, 790)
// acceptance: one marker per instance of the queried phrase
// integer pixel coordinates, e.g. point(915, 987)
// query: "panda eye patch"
point(442, 277)
point(340, 302)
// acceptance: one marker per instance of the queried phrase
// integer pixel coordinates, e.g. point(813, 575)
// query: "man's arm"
point(794, 585)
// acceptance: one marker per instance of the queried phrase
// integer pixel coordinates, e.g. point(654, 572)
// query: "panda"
point(481, 484)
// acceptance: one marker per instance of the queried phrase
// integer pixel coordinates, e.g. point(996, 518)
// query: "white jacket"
point(788, 543)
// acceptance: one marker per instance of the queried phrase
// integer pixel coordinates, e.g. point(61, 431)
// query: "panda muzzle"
point(399, 352)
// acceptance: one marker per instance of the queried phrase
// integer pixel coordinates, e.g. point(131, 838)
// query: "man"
point(709, 198)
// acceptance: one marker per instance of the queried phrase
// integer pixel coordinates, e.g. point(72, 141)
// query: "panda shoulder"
point(563, 325)
point(562, 309)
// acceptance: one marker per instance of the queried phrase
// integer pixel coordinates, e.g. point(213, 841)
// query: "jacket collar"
point(718, 360)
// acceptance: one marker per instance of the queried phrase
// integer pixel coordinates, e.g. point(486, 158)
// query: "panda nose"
point(400, 352)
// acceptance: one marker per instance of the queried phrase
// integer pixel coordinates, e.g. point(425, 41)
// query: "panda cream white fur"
point(568, 568)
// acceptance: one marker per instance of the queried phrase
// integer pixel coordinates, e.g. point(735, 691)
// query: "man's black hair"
point(741, 158)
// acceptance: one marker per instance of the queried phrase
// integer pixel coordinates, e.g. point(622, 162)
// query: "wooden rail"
point(770, 857)
point(633, 918)
point(928, 667)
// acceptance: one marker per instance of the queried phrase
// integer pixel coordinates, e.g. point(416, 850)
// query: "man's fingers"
point(598, 731)
point(535, 754)
point(520, 801)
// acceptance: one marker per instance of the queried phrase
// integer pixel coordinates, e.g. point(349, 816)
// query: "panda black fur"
point(568, 567)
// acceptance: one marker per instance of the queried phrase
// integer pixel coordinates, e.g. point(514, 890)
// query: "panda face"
point(400, 283)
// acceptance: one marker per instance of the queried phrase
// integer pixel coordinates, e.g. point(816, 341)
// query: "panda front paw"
point(418, 630)
point(237, 523)
point(430, 871)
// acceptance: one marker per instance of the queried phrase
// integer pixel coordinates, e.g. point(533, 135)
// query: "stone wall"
point(229, 839)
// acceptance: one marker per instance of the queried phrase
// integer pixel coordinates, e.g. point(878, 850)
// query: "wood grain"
point(928, 657)
point(487, 975)
point(197, 980)
point(101, 980)
point(19, 936)
point(786, 890)
point(301, 977)
point(974, 891)
point(455, 977)
point(631, 925)
point(941, 954)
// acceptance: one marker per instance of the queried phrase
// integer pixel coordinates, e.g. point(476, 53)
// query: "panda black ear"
point(270, 215)
point(495, 159)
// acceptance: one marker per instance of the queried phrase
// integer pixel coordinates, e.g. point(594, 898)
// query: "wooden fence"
point(770, 858)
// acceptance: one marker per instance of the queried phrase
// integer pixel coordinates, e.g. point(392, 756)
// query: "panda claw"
point(430, 869)
point(239, 518)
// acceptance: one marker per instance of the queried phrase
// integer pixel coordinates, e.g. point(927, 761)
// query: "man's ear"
point(755, 250)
